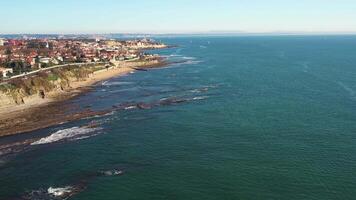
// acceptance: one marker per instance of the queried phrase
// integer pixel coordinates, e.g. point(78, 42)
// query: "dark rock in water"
point(36, 194)
point(144, 106)
point(171, 101)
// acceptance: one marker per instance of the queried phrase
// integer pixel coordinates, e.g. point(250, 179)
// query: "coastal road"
point(50, 68)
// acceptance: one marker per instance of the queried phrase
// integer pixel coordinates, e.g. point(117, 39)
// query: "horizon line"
point(191, 33)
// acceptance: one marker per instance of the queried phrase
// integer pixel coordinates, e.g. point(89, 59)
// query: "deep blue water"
point(262, 118)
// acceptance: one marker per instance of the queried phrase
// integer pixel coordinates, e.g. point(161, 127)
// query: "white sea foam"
point(200, 98)
point(108, 83)
point(58, 192)
point(67, 134)
point(193, 62)
point(112, 173)
point(130, 107)
point(174, 55)
point(188, 58)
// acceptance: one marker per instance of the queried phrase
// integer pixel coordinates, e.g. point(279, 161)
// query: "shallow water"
point(243, 118)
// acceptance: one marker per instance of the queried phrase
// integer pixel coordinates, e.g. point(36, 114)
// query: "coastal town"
point(19, 57)
point(38, 73)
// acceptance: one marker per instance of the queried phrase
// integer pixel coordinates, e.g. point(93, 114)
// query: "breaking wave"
point(70, 134)
point(108, 83)
point(58, 192)
point(200, 98)
point(63, 193)
point(52, 193)
point(130, 107)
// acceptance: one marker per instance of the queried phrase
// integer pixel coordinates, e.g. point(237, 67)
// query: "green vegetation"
point(6, 87)
point(52, 77)
point(18, 66)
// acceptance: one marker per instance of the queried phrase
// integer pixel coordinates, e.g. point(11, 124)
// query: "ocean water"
point(241, 118)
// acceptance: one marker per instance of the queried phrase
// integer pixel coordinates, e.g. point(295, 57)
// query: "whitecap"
point(189, 58)
point(67, 134)
point(130, 107)
point(59, 192)
point(200, 98)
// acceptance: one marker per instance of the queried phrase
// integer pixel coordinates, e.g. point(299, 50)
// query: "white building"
point(44, 60)
point(4, 72)
point(2, 41)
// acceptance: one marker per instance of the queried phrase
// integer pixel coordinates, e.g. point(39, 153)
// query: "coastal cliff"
point(43, 85)
point(35, 101)
point(59, 84)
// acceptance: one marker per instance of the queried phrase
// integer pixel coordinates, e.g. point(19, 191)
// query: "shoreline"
point(37, 113)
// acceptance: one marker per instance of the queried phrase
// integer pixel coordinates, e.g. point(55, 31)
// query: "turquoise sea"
point(255, 117)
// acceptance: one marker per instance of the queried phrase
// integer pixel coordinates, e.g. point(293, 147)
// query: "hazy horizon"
point(178, 17)
point(202, 33)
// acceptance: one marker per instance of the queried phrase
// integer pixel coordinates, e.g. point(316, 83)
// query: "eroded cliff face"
point(30, 90)
point(42, 85)
point(6, 100)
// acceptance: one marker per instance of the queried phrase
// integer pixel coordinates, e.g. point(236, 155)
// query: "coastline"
point(37, 113)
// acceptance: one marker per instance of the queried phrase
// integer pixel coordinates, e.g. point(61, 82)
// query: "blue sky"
point(176, 16)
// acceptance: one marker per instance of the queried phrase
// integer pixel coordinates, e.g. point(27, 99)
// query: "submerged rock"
point(144, 106)
point(111, 172)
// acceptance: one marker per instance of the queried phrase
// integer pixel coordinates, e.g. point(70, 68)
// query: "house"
point(4, 72)
point(45, 60)
point(2, 42)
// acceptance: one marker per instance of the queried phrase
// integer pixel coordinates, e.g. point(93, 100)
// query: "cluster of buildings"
point(23, 55)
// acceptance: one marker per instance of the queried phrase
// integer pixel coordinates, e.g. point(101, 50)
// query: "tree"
point(8, 51)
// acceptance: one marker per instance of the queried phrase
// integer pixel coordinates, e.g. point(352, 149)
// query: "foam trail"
point(67, 134)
